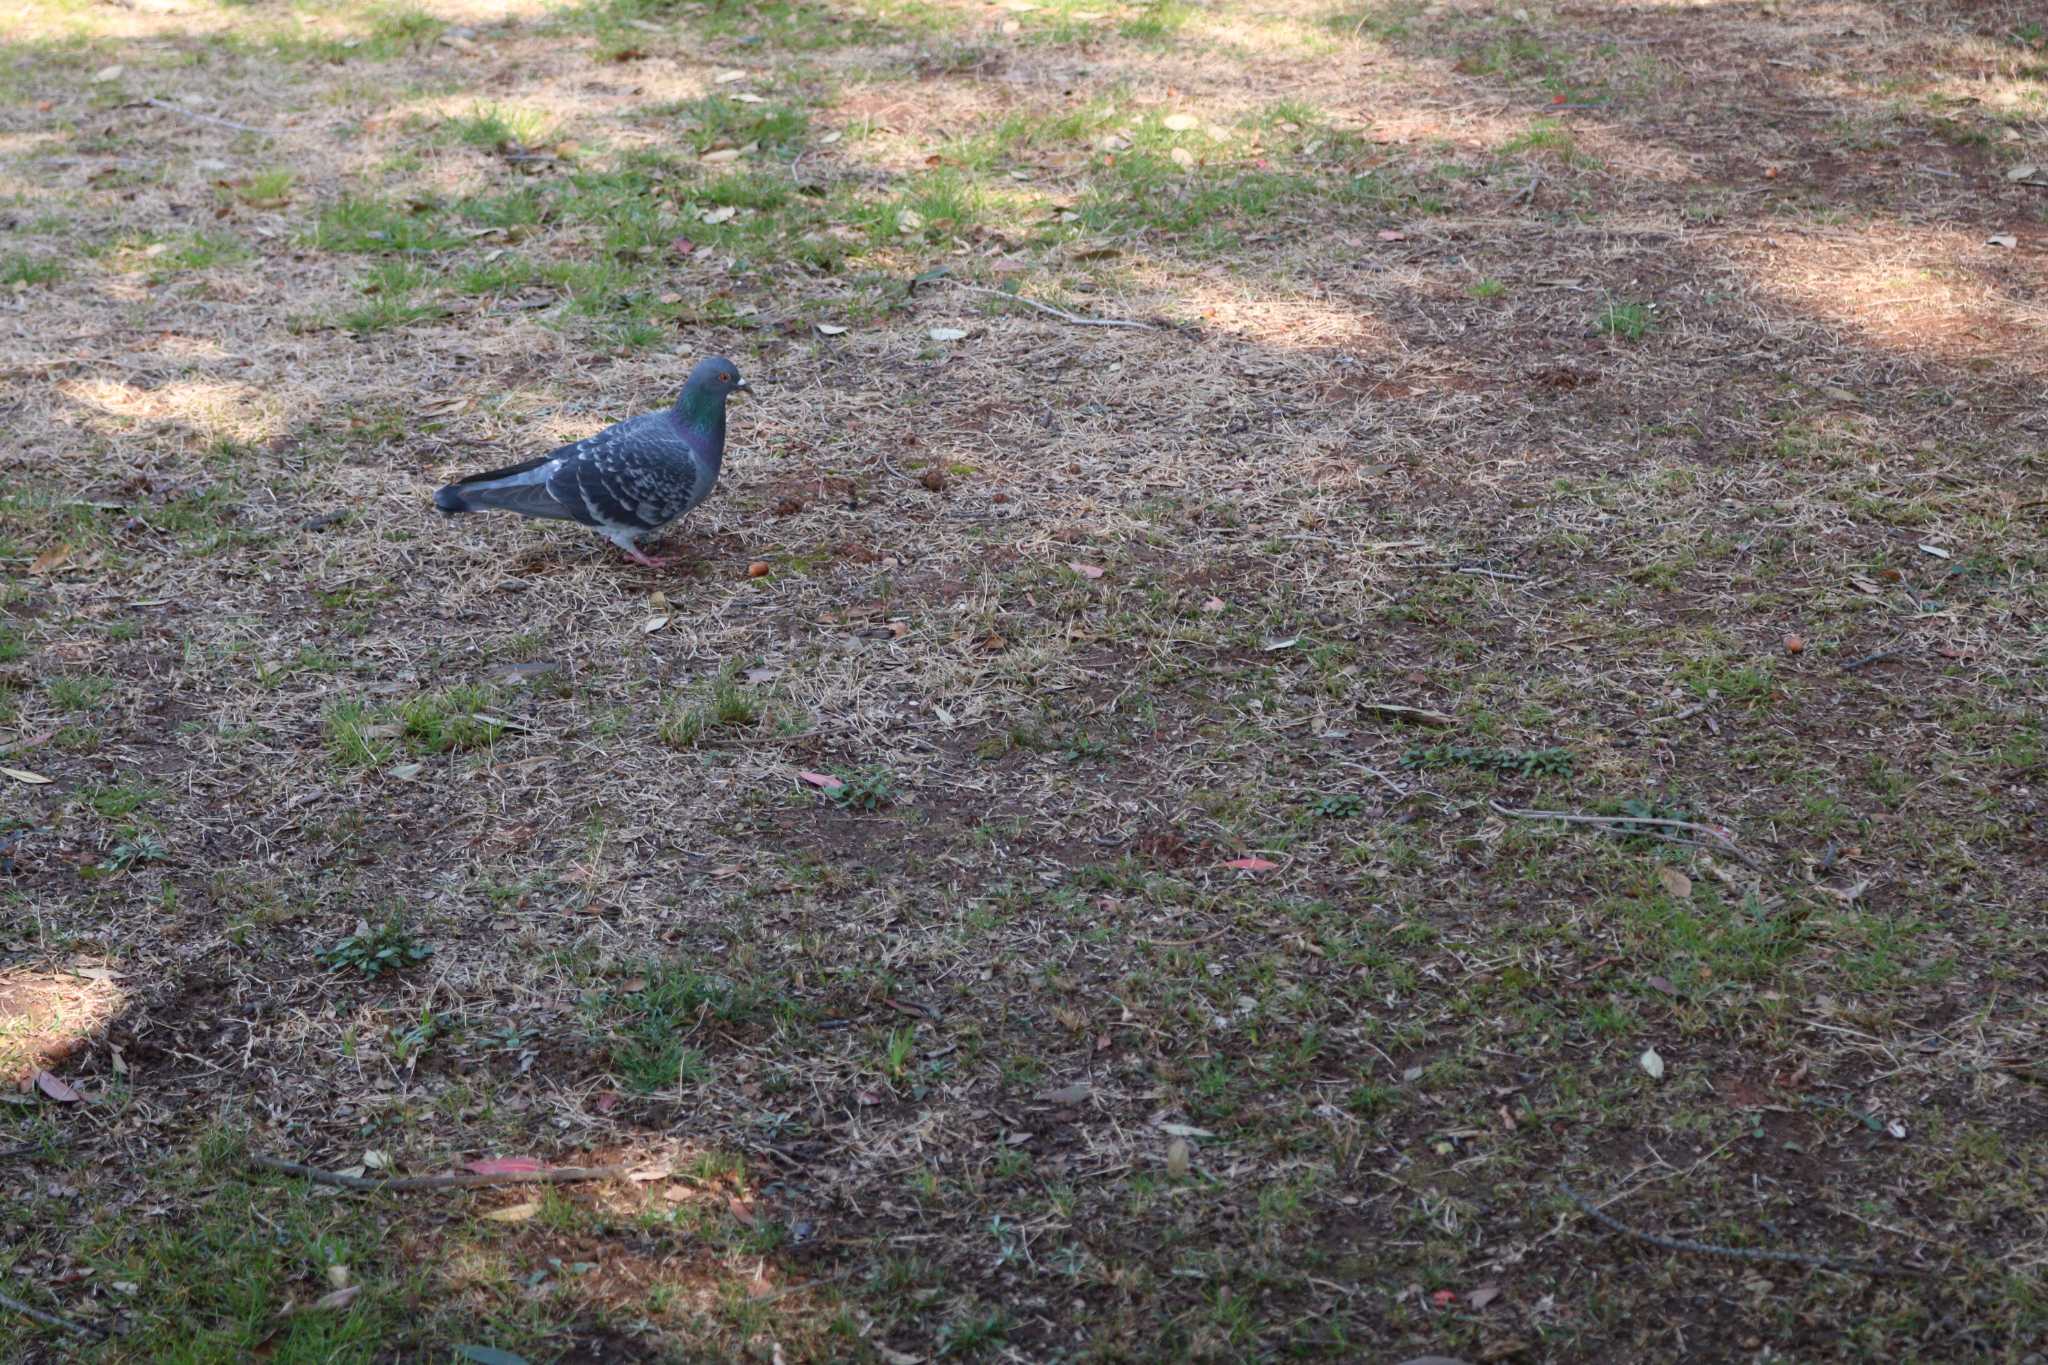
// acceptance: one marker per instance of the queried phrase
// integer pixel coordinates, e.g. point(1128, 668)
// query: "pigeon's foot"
point(651, 561)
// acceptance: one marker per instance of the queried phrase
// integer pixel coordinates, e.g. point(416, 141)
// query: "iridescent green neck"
point(702, 413)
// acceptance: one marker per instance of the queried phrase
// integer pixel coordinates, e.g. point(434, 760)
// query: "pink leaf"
point(1252, 864)
point(1390, 235)
point(1085, 570)
point(56, 1089)
point(504, 1165)
point(824, 780)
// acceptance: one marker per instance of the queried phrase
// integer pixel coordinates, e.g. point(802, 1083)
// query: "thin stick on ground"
point(1628, 824)
point(455, 1180)
point(182, 112)
point(83, 1330)
point(1062, 314)
point(1881, 656)
point(1614, 1224)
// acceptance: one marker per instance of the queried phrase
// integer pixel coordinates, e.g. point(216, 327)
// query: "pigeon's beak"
point(742, 386)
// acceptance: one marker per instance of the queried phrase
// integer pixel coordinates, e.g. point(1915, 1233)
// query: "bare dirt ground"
point(1632, 412)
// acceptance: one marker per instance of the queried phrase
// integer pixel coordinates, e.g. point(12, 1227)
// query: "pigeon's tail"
point(523, 489)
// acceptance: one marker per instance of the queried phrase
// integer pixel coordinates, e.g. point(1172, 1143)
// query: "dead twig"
point(62, 1324)
point(1867, 660)
point(1627, 824)
point(182, 112)
point(1476, 569)
point(455, 1180)
point(1608, 1221)
point(1062, 314)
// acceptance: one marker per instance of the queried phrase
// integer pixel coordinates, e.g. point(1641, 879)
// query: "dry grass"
point(1545, 371)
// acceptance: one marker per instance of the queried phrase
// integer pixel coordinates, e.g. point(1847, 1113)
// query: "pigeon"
point(629, 480)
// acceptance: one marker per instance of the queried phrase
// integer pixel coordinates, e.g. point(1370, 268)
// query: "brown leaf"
point(56, 1088)
point(743, 1211)
point(1675, 882)
point(823, 781)
point(50, 558)
point(1252, 864)
point(1085, 570)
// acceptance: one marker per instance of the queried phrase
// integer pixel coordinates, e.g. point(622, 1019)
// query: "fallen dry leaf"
point(1177, 1158)
point(1252, 864)
point(830, 329)
point(513, 1213)
point(824, 781)
point(339, 1299)
point(1483, 1295)
point(56, 1088)
point(1675, 882)
point(24, 775)
point(1652, 1063)
point(946, 333)
point(50, 558)
point(1085, 570)
point(1180, 123)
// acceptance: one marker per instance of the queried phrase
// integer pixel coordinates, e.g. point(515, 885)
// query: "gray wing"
point(521, 488)
point(635, 476)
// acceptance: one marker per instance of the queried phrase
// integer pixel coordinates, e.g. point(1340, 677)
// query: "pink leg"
point(651, 561)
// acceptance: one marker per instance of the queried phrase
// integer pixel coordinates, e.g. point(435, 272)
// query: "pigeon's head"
point(715, 378)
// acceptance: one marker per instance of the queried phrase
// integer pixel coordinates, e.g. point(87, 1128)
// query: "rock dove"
point(630, 479)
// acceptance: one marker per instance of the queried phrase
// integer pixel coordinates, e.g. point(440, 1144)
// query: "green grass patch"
point(650, 1024)
point(1628, 321)
point(20, 268)
point(359, 224)
point(500, 127)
